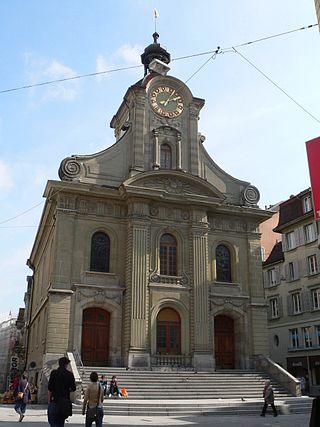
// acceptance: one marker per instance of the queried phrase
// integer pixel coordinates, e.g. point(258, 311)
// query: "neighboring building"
point(147, 253)
point(9, 362)
point(317, 4)
point(292, 286)
point(268, 237)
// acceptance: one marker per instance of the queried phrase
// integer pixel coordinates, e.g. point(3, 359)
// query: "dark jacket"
point(61, 383)
point(315, 413)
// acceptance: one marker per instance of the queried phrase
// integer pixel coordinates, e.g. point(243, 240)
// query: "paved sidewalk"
point(36, 417)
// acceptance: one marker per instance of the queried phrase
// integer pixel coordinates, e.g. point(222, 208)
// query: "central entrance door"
point(224, 342)
point(95, 337)
point(168, 332)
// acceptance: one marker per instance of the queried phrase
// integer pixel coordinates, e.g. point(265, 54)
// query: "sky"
point(253, 130)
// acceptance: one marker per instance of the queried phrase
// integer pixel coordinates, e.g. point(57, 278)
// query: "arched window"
point(165, 157)
point(223, 264)
point(168, 255)
point(100, 252)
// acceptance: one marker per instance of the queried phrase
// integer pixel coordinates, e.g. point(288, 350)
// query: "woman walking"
point(23, 395)
point(92, 404)
point(268, 396)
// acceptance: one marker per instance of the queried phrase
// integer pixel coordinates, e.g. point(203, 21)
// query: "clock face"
point(166, 101)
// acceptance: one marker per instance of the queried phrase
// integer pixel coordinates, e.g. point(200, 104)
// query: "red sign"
point(313, 153)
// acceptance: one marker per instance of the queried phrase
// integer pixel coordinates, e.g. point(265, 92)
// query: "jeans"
point(98, 420)
point(264, 409)
point(53, 420)
point(20, 406)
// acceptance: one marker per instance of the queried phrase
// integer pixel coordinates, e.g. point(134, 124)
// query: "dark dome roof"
point(154, 51)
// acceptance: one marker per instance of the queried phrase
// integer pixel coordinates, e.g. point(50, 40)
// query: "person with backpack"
point(93, 402)
point(268, 396)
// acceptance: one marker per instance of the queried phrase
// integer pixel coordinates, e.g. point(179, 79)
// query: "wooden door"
point(95, 337)
point(224, 342)
point(168, 332)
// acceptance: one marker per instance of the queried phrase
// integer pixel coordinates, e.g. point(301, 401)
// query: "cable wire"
point(276, 85)
point(49, 82)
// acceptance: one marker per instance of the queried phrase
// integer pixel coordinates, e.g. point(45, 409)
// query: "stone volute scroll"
point(70, 169)
point(251, 196)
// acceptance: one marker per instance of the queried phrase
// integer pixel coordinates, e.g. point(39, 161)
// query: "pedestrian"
point(104, 383)
point(268, 396)
point(22, 397)
point(92, 402)
point(114, 389)
point(315, 413)
point(61, 383)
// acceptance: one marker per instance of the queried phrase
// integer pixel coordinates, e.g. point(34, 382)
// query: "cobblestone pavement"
point(36, 417)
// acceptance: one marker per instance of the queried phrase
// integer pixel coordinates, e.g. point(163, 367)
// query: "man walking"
point(61, 383)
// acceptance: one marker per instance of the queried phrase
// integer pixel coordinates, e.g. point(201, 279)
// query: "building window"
point(276, 340)
point(296, 303)
point(315, 299)
point(272, 277)
point(307, 337)
point(317, 327)
point(168, 255)
point(312, 264)
point(310, 233)
point(307, 204)
point(293, 271)
point(165, 156)
point(294, 338)
point(100, 252)
point(274, 308)
point(290, 240)
point(223, 264)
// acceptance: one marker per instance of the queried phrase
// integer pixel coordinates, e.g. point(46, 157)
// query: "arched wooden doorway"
point(168, 332)
point(224, 342)
point(95, 337)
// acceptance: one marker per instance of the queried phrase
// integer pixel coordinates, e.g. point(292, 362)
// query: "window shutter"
point(289, 305)
point(306, 301)
point(266, 280)
point(278, 275)
point(284, 243)
point(287, 272)
point(304, 267)
point(297, 237)
point(302, 236)
point(296, 270)
point(280, 307)
point(269, 310)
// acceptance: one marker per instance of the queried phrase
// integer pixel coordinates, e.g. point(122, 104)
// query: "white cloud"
point(5, 177)
point(42, 70)
point(128, 55)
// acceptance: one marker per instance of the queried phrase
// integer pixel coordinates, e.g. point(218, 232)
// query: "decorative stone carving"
point(161, 121)
point(251, 196)
point(154, 211)
point(70, 169)
point(185, 215)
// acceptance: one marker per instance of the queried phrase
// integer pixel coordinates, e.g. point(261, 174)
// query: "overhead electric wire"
point(49, 82)
point(276, 85)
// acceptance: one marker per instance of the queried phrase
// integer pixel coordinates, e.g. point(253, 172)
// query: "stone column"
point(203, 355)
point(178, 153)
point(137, 282)
point(156, 160)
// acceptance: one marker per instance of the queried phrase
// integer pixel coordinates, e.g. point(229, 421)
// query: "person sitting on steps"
point(114, 389)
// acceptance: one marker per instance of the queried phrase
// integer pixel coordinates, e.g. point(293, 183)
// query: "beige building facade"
point(148, 254)
point(292, 285)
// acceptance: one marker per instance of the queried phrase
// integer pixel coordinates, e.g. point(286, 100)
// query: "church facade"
point(148, 254)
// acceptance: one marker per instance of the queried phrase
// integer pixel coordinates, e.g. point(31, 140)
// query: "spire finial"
point(155, 14)
point(155, 37)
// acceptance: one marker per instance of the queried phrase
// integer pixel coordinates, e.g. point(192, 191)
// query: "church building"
point(148, 254)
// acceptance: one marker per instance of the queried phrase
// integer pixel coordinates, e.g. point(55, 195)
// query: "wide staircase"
point(155, 393)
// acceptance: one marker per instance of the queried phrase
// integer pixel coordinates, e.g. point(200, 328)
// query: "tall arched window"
point(100, 252)
point(165, 157)
point(168, 255)
point(223, 264)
